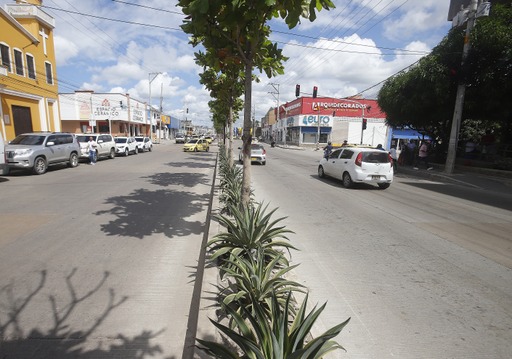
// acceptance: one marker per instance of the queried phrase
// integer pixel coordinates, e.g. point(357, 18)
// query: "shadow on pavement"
point(61, 340)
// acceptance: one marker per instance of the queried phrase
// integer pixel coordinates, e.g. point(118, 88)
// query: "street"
point(422, 268)
point(100, 261)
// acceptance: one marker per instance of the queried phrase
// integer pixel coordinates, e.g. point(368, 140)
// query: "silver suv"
point(106, 146)
point(38, 150)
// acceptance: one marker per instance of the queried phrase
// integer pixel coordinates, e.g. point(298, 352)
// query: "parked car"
point(258, 154)
point(4, 169)
point(144, 144)
point(358, 165)
point(106, 146)
point(126, 145)
point(36, 151)
point(195, 145)
point(180, 138)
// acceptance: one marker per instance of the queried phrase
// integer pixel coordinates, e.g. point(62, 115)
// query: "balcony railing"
point(27, 10)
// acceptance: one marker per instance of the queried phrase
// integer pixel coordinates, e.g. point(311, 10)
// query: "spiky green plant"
point(264, 336)
point(253, 279)
point(248, 229)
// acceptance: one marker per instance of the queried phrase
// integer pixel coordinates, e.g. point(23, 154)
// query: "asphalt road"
point(101, 261)
point(423, 268)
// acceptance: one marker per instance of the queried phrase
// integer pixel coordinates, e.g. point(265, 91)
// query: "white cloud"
point(64, 50)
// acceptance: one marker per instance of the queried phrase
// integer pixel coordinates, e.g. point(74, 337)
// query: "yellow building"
point(28, 84)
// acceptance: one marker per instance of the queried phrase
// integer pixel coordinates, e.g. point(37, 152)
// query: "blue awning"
point(409, 134)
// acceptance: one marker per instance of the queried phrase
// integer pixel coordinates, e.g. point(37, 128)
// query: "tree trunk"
point(230, 136)
point(246, 137)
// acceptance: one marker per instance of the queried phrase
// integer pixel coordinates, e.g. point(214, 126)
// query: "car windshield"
point(256, 148)
point(120, 140)
point(139, 139)
point(376, 157)
point(192, 141)
point(85, 138)
point(28, 140)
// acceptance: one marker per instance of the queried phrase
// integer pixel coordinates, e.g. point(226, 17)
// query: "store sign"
point(106, 111)
point(312, 120)
point(316, 106)
point(137, 115)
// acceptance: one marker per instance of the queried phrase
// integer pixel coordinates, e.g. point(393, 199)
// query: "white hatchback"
point(358, 165)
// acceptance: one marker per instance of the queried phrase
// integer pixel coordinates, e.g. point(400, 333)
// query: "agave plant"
point(254, 280)
point(249, 229)
point(263, 336)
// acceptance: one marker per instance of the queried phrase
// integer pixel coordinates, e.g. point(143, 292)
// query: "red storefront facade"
point(340, 119)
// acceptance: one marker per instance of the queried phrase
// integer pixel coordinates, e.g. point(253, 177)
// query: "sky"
point(123, 46)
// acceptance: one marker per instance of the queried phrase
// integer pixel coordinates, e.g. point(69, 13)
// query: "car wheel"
point(73, 160)
point(384, 185)
point(40, 166)
point(195, 149)
point(112, 154)
point(136, 150)
point(347, 180)
point(126, 152)
point(321, 172)
point(264, 163)
point(150, 148)
point(207, 149)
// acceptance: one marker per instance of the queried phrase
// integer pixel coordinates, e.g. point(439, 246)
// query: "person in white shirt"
point(91, 144)
point(423, 156)
point(392, 153)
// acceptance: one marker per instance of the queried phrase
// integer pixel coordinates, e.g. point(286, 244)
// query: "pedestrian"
point(91, 145)
point(423, 156)
point(345, 143)
point(394, 157)
point(379, 147)
point(328, 149)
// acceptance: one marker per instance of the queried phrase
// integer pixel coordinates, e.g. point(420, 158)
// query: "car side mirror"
point(51, 143)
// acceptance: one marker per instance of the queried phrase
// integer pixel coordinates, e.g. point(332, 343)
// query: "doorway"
point(22, 120)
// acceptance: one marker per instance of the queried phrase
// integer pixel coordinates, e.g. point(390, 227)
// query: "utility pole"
point(461, 92)
point(278, 117)
point(152, 77)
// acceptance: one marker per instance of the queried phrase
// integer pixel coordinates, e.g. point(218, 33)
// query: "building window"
point(49, 74)
point(31, 67)
point(18, 62)
point(6, 56)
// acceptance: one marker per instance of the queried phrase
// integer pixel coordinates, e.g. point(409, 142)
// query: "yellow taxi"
point(195, 145)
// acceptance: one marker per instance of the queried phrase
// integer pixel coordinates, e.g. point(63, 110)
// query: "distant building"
point(340, 119)
point(28, 84)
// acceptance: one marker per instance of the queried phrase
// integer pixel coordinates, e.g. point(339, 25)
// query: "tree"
point(423, 97)
point(226, 88)
point(239, 30)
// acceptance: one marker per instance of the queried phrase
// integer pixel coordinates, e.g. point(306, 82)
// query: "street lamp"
point(155, 75)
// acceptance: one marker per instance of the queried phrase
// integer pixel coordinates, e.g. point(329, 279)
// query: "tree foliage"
point(423, 96)
point(238, 33)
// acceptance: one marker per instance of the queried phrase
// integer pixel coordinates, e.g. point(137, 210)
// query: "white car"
point(258, 154)
point(144, 143)
point(106, 147)
point(126, 145)
point(358, 165)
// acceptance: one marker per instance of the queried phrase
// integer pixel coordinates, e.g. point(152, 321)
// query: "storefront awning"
point(409, 134)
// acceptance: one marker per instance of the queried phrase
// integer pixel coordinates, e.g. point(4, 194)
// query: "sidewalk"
point(476, 177)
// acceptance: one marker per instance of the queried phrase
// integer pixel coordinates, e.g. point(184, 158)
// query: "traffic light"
point(297, 90)
point(315, 90)
point(365, 121)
